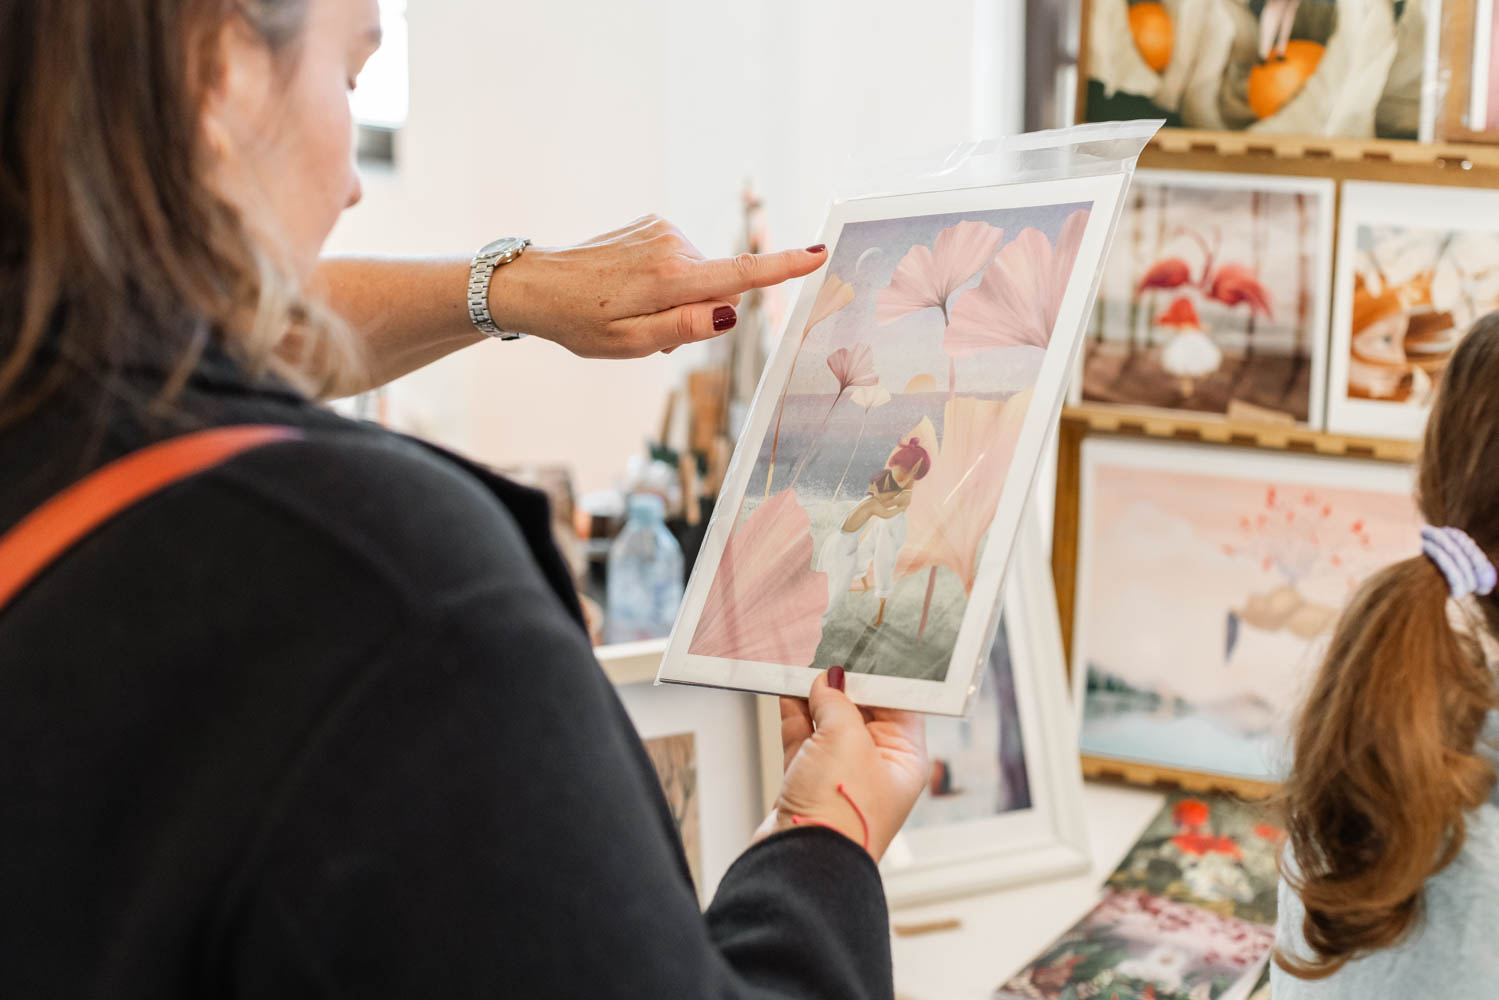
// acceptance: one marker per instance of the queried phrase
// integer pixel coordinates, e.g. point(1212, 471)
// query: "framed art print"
point(1004, 803)
point(1359, 69)
point(1417, 267)
point(717, 754)
point(869, 512)
point(1137, 945)
point(1208, 582)
point(1214, 298)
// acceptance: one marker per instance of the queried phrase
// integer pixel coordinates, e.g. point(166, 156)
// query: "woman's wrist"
point(516, 288)
point(844, 822)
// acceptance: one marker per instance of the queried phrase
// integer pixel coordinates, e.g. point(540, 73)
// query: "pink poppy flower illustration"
point(1017, 300)
point(852, 367)
point(766, 602)
point(951, 508)
point(928, 276)
point(834, 295)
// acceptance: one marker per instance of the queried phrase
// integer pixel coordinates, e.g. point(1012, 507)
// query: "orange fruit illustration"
point(1274, 83)
point(1151, 26)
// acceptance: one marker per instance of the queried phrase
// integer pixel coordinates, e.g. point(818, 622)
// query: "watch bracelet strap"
point(481, 273)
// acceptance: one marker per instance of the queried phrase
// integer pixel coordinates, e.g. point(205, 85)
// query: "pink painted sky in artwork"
point(1167, 561)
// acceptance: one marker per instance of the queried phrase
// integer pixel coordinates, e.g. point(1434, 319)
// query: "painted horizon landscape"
point(1237, 568)
point(866, 513)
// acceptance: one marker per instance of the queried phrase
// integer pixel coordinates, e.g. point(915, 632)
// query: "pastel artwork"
point(871, 495)
point(1238, 567)
point(1209, 302)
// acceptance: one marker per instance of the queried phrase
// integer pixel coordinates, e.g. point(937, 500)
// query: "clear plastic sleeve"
point(1065, 167)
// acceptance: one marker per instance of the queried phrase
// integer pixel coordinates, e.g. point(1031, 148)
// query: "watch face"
point(500, 245)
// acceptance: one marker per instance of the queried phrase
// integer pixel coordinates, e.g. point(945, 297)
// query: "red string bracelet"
point(802, 820)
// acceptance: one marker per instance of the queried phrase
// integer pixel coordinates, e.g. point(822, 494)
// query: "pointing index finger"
point(733, 275)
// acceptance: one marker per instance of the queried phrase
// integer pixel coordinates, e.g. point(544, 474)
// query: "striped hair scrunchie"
point(1467, 569)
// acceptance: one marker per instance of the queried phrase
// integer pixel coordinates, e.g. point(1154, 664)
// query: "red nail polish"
point(724, 318)
point(835, 677)
point(819, 248)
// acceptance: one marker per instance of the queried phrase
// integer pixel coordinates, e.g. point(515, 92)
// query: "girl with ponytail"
point(1391, 883)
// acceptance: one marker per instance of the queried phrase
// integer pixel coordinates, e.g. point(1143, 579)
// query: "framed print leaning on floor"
point(1004, 803)
point(869, 512)
point(717, 754)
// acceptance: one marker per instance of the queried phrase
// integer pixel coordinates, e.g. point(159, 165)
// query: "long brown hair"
point(1387, 762)
point(112, 246)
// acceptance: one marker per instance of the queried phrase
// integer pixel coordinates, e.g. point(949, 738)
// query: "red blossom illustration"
point(1191, 813)
point(1297, 548)
point(1201, 844)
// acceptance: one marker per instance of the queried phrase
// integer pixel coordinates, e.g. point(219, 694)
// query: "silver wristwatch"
point(496, 254)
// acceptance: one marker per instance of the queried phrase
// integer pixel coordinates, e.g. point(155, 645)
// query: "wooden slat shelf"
point(1258, 144)
point(1452, 164)
point(1279, 437)
point(1173, 779)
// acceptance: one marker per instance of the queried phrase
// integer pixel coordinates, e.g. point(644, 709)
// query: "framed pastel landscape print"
point(1359, 69)
point(869, 512)
point(1214, 300)
point(1208, 582)
point(1004, 803)
point(1417, 267)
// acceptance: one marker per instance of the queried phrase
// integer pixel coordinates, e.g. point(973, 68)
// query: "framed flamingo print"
point(870, 509)
point(1214, 298)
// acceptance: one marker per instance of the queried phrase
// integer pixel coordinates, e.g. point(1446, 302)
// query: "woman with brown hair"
point(1392, 873)
point(290, 705)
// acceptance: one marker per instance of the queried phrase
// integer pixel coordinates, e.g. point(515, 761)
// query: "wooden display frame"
point(1460, 161)
point(1079, 423)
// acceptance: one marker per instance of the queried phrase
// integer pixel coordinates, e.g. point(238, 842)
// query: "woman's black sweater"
point(322, 722)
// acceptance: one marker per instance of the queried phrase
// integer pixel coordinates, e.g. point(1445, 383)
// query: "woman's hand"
point(633, 292)
point(877, 755)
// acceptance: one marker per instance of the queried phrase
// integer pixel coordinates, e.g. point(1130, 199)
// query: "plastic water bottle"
point(645, 575)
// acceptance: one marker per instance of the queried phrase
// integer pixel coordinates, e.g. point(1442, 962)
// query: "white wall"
point(564, 118)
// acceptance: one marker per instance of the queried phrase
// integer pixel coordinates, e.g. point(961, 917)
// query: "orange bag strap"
point(52, 529)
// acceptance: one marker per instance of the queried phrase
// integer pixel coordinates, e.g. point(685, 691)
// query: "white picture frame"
point(949, 694)
point(1270, 664)
point(738, 742)
point(1374, 206)
point(1049, 838)
point(1323, 196)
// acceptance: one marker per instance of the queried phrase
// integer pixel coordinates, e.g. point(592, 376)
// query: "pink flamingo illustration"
point(1231, 284)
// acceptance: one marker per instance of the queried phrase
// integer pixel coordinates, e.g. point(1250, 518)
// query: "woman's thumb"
point(831, 708)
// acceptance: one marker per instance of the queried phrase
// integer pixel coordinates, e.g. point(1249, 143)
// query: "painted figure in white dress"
point(866, 546)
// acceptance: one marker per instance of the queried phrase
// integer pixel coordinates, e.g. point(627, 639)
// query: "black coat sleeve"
point(479, 820)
